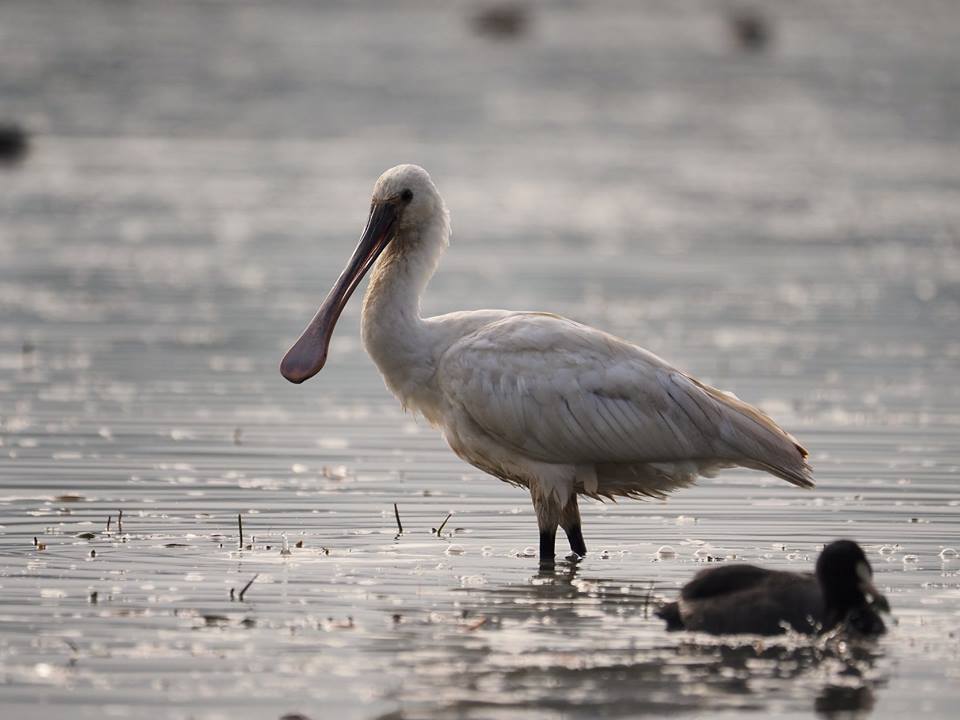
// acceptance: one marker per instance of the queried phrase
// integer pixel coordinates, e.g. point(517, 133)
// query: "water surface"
point(784, 225)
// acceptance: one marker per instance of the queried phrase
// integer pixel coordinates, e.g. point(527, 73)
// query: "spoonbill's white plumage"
point(533, 398)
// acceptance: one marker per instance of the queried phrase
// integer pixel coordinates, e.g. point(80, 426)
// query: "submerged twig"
point(120, 521)
point(647, 599)
point(247, 586)
point(396, 512)
point(240, 525)
point(109, 520)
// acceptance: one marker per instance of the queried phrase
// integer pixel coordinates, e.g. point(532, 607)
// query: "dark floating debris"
point(502, 20)
point(28, 356)
point(750, 29)
point(69, 498)
point(120, 521)
point(14, 143)
point(213, 620)
point(240, 525)
point(396, 513)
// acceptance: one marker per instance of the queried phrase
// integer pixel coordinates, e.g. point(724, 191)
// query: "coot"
point(733, 599)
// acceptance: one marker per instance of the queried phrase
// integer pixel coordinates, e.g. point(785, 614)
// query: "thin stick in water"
point(240, 525)
point(396, 512)
point(647, 599)
point(120, 521)
point(247, 586)
point(443, 524)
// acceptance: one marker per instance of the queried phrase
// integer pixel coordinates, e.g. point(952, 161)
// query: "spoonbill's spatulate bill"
point(529, 397)
point(733, 599)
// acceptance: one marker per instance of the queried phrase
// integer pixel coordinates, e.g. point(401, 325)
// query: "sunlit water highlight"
point(785, 226)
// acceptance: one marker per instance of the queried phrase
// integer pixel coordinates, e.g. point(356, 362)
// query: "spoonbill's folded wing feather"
point(561, 392)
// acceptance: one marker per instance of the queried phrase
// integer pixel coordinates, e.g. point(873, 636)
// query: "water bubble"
point(948, 553)
point(454, 549)
point(666, 552)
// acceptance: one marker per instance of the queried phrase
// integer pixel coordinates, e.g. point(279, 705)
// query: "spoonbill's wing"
point(561, 392)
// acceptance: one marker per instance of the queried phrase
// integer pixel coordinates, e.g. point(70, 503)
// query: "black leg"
point(548, 541)
point(575, 536)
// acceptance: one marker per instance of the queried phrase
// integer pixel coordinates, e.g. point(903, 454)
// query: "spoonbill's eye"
point(406, 195)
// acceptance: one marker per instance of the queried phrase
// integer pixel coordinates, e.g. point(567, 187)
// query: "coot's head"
point(847, 581)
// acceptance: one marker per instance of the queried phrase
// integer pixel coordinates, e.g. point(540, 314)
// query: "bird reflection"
point(836, 701)
point(597, 639)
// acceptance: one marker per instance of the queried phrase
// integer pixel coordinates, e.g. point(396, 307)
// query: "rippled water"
point(784, 225)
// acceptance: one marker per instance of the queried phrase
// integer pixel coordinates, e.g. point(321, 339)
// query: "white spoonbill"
point(529, 397)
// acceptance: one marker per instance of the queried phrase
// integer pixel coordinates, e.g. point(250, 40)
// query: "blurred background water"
point(770, 199)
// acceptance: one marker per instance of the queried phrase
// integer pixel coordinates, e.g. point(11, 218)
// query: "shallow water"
point(784, 225)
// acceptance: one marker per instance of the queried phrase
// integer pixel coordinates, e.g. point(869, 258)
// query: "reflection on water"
point(782, 223)
point(583, 647)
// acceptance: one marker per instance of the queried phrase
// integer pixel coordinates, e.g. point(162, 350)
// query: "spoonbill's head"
point(404, 201)
point(847, 578)
point(410, 192)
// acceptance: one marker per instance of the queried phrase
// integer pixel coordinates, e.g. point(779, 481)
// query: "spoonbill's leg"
point(548, 542)
point(547, 508)
point(570, 522)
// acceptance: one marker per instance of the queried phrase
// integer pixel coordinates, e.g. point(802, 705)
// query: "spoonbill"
point(733, 599)
point(532, 398)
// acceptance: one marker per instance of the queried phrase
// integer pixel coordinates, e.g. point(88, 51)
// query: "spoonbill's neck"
point(394, 334)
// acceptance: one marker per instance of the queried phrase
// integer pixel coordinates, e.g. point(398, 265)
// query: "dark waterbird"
point(14, 143)
point(733, 599)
